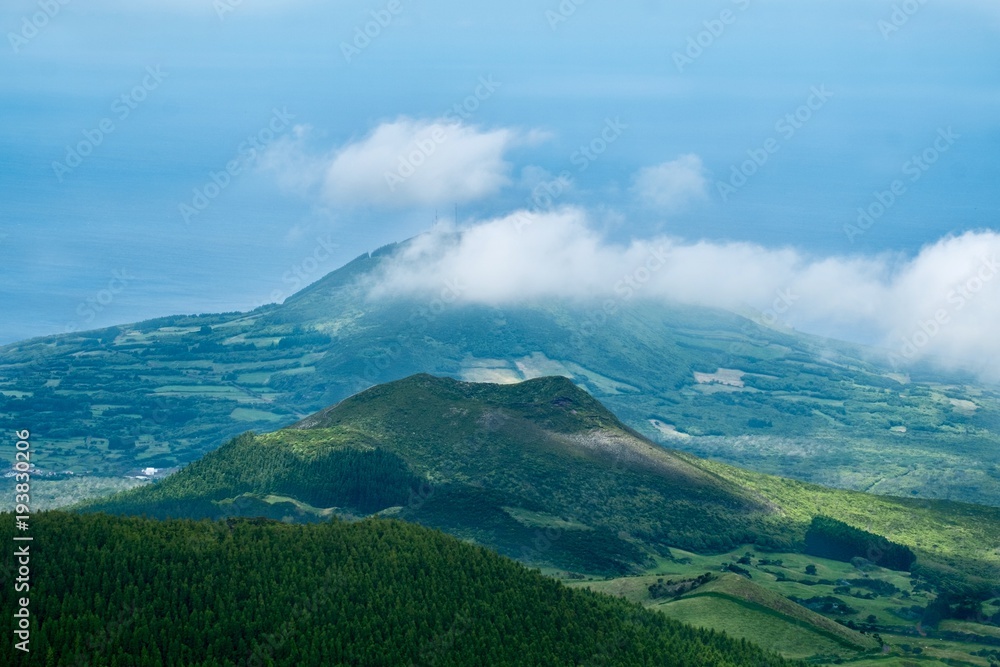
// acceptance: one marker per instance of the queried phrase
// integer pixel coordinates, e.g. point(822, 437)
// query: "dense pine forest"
point(126, 591)
point(834, 539)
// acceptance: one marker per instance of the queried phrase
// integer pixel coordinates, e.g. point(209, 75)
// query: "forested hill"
point(542, 472)
point(122, 592)
point(493, 463)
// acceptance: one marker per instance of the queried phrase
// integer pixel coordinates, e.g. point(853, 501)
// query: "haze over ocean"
point(161, 95)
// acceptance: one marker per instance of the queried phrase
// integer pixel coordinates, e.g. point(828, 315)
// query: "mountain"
point(158, 394)
point(543, 472)
point(121, 591)
point(494, 463)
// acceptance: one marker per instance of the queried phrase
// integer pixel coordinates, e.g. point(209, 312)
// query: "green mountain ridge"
point(163, 392)
point(540, 471)
point(473, 460)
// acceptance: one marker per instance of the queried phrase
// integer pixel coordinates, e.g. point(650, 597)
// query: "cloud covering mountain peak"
point(940, 303)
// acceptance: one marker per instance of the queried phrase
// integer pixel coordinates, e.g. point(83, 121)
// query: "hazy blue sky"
point(162, 94)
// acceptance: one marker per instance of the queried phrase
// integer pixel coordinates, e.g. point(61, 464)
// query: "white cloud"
point(287, 160)
point(941, 303)
point(402, 163)
point(671, 185)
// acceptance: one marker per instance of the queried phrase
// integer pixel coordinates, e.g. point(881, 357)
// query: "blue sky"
point(106, 240)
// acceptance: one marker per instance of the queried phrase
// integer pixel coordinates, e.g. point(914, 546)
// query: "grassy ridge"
point(745, 592)
point(754, 623)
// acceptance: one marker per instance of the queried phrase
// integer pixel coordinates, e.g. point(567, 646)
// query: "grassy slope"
point(951, 535)
point(756, 597)
point(490, 455)
point(790, 639)
point(744, 609)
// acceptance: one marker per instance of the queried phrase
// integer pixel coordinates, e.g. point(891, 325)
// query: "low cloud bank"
point(943, 303)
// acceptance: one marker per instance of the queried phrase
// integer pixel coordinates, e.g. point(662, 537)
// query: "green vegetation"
point(542, 472)
point(744, 609)
point(746, 621)
point(128, 591)
point(955, 543)
point(835, 539)
point(873, 604)
point(772, 401)
point(478, 461)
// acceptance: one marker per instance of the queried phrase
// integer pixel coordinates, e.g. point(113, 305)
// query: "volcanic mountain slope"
point(496, 463)
point(540, 471)
point(162, 392)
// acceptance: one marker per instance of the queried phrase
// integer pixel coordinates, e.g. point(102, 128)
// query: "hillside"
point(128, 591)
point(160, 393)
point(500, 464)
point(732, 589)
point(742, 608)
point(805, 607)
point(540, 471)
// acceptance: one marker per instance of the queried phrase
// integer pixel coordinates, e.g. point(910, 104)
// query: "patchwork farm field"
point(840, 608)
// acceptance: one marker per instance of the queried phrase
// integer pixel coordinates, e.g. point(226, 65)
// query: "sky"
point(181, 156)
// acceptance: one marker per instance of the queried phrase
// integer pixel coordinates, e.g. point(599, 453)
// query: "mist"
point(939, 304)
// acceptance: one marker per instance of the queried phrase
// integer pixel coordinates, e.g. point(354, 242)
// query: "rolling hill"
point(744, 609)
point(159, 394)
point(543, 472)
